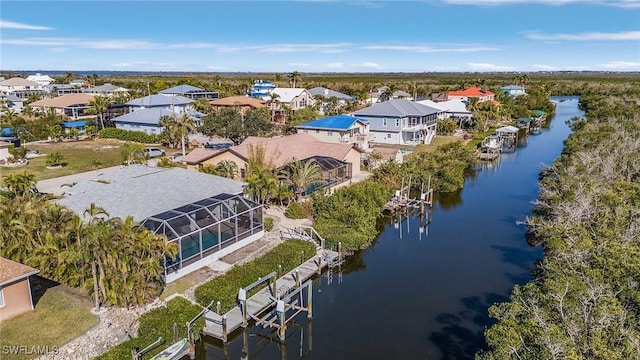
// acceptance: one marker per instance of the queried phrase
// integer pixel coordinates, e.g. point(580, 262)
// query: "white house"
point(178, 104)
point(513, 90)
point(343, 129)
point(295, 98)
point(105, 90)
point(20, 87)
point(148, 120)
point(41, 79)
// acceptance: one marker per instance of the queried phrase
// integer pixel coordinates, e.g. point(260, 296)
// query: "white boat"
point(173, 352)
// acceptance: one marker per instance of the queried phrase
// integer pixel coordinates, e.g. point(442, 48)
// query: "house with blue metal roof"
point(191, 92)
point(342, 129)
point(401, 121)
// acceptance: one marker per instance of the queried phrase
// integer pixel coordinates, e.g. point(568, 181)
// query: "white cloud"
point(428, 49)
point(299, 64)
point(615, 3)
point(544, 67)
point(621, 65)
point(488, 67)
point(370, 65)
point(589, 36)
point(335, 65)
point(20, 26)
point(83, 43)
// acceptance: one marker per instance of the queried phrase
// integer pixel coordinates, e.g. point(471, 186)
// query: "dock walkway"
point(220, 326)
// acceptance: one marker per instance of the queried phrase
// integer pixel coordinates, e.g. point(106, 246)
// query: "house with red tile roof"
point(472, 92)
point(15, 288)
point(242, 103)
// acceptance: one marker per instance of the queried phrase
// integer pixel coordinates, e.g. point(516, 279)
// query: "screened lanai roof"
point(327, 163)
point(198, 215)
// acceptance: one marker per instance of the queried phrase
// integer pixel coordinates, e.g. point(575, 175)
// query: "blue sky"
point(321, 36)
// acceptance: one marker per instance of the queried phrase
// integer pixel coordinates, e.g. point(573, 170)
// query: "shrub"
point(55, 159)
point(120, 134)
point(268, 223)
point(159, 323)
point(18, 152)
point(297, 210)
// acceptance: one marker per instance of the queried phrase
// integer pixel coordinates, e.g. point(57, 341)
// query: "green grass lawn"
point(79, 156)
point(437, 141)
point(61, 314)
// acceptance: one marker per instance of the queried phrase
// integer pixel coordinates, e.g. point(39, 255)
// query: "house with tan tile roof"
point(74, 106)
point(339, 162)
point(242, 103)
point(20, 87)
point(15, 288)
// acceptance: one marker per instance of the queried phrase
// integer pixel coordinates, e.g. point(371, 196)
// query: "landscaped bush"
point(159, 323)
point(349, 215)
point(268, 223)
point(225, 288)
point(299, 210)
point(55, 159)
point(120, 134)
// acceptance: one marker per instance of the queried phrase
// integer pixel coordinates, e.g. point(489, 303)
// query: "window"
point(330, 133)
point(384, 122)
point(397, 122)
point(388, 136)
point(1, 297)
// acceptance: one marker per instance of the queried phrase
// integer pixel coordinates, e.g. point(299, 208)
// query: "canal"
point(423, 292)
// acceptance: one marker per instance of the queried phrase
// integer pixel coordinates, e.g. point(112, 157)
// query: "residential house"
point(472, 92)
point(455, 109)
point(339, 129)
point(73, 106)
point(12, 102)
point(148, 120)
point(324, 95)
point(21, 88)
point(107, 90)
point(62, 89)
point(15, 288)
point(400, 121)
point(191, 92)
point(261, 89)
point(43, 80)
point(513, 90)
point(294, 98)
point(340, 162)
point(242, 103)
point(178, 104)
point(205, 215)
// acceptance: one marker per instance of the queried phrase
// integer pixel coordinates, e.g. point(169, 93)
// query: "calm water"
point(425, 294)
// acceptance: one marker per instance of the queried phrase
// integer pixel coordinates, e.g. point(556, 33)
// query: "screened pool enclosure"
point(206, 226)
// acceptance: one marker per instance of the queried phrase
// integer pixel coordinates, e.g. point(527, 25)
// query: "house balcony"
point(357, 139)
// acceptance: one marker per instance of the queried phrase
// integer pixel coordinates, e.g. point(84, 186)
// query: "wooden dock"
point(219, 326)
point(402, 201)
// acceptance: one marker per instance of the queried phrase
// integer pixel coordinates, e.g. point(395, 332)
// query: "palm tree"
point(293, 77)
point(94, 247)
point(19, 184)
point(227, 168)
point(302, 175)
point(100, 104)
point(95, 164)
point(202, 105)
point(170, 134)
point(272, 104)
point(185, 124)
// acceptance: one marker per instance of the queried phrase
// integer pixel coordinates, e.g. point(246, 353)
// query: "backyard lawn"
point(437, 141)
point(80, 156)
point(61, 314)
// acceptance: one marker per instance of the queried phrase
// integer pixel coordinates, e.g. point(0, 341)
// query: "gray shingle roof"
point(150, 116)
point(397, 108)
point(327, 93)
point(160, 100)
point(142, 191)
point(106, 88)
point(180, 89)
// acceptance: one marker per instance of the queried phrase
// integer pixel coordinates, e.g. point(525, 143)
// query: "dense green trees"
point(236, 126)
point(116, 260)
point(584, 299)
